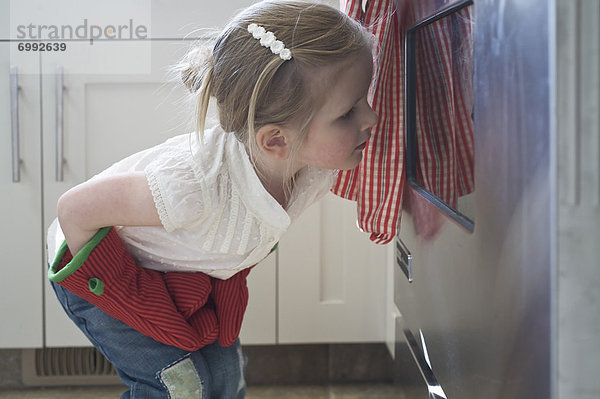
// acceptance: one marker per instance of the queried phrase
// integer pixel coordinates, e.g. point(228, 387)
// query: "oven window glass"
point(439, 113)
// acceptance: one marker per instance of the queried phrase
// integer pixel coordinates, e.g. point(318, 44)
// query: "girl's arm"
point(119, 200)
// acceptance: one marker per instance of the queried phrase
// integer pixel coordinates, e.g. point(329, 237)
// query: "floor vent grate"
point(66, 366)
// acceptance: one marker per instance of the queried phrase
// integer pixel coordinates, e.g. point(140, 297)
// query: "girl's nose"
point(371, 119)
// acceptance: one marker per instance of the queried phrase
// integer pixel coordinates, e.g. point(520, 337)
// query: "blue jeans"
point(154, 370)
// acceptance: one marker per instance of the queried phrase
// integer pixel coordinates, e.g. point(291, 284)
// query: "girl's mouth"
point(361, 147)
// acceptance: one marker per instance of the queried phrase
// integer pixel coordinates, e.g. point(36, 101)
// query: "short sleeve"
point(181, 196)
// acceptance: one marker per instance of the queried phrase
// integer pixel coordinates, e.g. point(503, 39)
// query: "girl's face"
point(340, 129)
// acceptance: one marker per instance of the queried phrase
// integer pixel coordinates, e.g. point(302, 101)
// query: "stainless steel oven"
point(486, 207)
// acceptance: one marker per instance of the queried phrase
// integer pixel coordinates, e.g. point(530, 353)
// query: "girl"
point(290, 80)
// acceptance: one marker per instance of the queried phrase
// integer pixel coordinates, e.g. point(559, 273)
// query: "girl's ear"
point(273, 141)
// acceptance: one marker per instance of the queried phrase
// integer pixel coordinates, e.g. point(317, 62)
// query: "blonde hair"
point(254, 87)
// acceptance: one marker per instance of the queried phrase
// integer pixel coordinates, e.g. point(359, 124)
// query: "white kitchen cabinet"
point(105, 118)
point(117, 99)
point(331, 278)
point(322, 285)
point(21, 209)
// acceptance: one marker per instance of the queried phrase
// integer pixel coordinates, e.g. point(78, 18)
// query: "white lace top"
point(217, 217)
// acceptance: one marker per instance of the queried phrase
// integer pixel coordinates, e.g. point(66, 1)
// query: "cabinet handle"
point(404, 259)
point(59, 123)
point(14, 119)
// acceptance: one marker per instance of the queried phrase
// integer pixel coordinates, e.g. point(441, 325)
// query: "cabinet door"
point(103, 118)
point(107, 117)
point(21, 206)
point(331, 278)
point(259, 326)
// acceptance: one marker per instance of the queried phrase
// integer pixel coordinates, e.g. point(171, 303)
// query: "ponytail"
point(196, 71)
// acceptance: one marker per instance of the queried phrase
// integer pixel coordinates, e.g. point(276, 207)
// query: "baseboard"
point(267, 365)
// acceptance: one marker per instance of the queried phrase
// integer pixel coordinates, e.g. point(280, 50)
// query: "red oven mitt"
point(186, 310)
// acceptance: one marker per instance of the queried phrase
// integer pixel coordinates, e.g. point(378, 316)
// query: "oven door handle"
point(404, 259)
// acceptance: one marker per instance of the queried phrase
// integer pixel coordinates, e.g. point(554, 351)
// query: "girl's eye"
point(348, 114)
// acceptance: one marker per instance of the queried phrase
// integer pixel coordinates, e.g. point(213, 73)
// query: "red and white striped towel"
point(444, 116)
point(376, 184)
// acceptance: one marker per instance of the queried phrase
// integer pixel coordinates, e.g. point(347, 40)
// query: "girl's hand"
point(119, 200)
